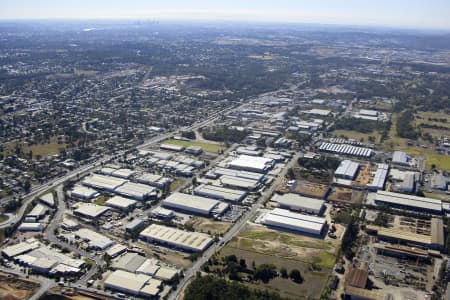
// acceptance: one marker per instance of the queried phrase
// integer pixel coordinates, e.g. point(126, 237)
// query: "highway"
point(232, 232)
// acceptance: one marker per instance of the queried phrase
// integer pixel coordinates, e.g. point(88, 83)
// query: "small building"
point(31, 227)
point(171, 147)
point(38, 212)
point(194, 150)
point(95, 240)
point(47, 199)
point(116, 250)
point(126, 282)
point(69, 225)
point(347, 170)
point(163, 213)
point(134, 225)
point(400, 158)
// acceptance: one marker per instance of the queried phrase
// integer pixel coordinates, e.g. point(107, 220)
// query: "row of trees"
point(210, 287)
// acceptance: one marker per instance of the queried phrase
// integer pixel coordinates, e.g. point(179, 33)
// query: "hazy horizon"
point(413, 14)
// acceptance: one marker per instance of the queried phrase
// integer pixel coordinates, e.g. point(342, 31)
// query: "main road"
point(232, 232)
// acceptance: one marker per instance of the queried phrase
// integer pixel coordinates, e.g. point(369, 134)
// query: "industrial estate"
point(312, 168)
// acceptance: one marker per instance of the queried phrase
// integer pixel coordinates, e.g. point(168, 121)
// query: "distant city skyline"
point(431, 14)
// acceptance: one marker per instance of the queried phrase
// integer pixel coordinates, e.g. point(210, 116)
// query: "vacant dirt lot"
point(13, 288)
point(209, 226)
point(346, 196)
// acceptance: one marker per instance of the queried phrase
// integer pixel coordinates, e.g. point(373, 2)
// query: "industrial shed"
point(83, 192)
point(347, 170)
point(95, 240)
point(379, 179)
point(47, 199)
point(126, 282)
point(103, 182)
point(409, 202)
point(251, 163)
point(300, 203)
point(220, 193)
point(282, 218)
point(217, 172)
point(136, 191)
point(400, 158)
point(190, 203)
point(185, 240)
point(154, 180)
point(239, 183)
point(121, 203)
point(89, 210)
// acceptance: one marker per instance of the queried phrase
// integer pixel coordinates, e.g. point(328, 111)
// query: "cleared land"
point(309, 250)
point(359, 136)
point(209, 226)
point(346, 195)
point(13, 288)
point(207, 147)
point(42, 150)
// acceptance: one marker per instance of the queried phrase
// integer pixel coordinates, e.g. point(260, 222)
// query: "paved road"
point(232, 232)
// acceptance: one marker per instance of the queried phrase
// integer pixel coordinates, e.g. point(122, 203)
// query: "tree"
point(296, 276)
point(242, 264)
point(265, 272)
point(284, 273)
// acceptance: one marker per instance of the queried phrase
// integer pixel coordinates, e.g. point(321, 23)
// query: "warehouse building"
point(347, 170)
point(239, 183)
point(319, 112)
point(121, 203)
point(217, 172)
point(176, 238)
point(171, 147)
point(300, 203)
point(126, 282)
point(251, 163)
point(379, 180)
point(194, 150)
point(123, 173)
point(38, 212)
point(136, 191)
point(21, 248)
point(95, 240)
point(47, 199)
point(282, 218)
point(345, 149)
point(83, 192)
point(129, 262)
point(116, 250)
point(103, 182)
point(191, 203)
point(409, 202)
point(154, 180)
point(400, 158)
point(220, 193)
point(25, 227)
point(89, 211)
point(134, 225)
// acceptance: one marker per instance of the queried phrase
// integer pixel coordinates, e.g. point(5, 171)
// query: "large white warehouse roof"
point(410, 201)
point(190, 203)
point(251, 163)
point(135, 190)
point(285, 219)
point(191, 241)
point(297, 202)
point(103, 182)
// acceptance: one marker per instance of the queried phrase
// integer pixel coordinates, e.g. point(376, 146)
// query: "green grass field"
point(207, 147)
point(357, 135)
point(101, 200)
point(3, 218)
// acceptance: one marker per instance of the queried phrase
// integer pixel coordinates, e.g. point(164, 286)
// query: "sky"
point(429, 14)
